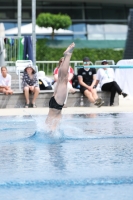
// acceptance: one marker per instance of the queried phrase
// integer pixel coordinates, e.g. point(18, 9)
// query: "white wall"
point(107, 32)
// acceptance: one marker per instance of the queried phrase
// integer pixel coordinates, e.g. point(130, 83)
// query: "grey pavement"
point(125, 105)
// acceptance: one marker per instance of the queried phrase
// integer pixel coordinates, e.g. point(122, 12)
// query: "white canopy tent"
point(27, 30)
point(2, 30)
point(2, 50)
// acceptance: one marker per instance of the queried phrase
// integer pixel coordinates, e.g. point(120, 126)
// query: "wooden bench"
point(17, 100)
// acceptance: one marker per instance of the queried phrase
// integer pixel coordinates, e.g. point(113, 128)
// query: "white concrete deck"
point(126, 105)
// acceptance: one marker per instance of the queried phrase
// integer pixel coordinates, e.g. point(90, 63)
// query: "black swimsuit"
point(54, 104)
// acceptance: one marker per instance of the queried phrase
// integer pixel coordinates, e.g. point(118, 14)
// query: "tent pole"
point(19, 17)
point(34, 31)
point(19, 25)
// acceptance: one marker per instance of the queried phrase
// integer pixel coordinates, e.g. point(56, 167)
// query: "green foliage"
point(98, 54)
point(55, 21)
point(11, 51)
point(53, 54)
point(45, 20)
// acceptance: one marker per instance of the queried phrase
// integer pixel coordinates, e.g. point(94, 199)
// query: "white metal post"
point(34, 31)
point(19, 25)
point(19, 17)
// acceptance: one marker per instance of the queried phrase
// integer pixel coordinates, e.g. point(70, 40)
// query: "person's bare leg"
point(66, 95)
point(36, 92)
point(26, 94)
point(94, 94)
point(4, 91)
point(60, 92)
point(53, 119)
point(88, 94)
point(10, 91)
point(61, 87)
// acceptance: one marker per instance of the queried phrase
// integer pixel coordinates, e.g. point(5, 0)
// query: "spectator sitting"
point(87, 81)
point(105, 76)
point(45, 83)
point(70, 76)
point(30, 84)
point(5, 82)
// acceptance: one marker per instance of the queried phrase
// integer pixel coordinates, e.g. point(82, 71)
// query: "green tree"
point(55, 21)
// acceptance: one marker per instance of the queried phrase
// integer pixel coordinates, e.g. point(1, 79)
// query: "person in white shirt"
point(5, 82)
point(106, 78)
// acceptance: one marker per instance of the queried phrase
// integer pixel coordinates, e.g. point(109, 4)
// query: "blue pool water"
point(89, 157)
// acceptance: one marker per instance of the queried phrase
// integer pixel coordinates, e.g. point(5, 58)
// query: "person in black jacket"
point(87, 81)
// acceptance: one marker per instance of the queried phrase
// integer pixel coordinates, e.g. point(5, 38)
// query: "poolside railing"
point(47, 66)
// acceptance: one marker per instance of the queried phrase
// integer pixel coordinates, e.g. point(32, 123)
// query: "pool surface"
point(90, 157)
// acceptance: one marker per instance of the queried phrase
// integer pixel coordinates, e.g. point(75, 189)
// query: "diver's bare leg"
point(53, 119)
point(60, 93)
point(63, 70)
point(61, 87)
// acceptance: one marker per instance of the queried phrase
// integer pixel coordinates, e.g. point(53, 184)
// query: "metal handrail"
point(48, 66)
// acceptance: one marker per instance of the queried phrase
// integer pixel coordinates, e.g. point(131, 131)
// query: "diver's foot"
point(69, 49)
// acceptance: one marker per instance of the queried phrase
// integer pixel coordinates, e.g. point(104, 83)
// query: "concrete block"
point(17, 100)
